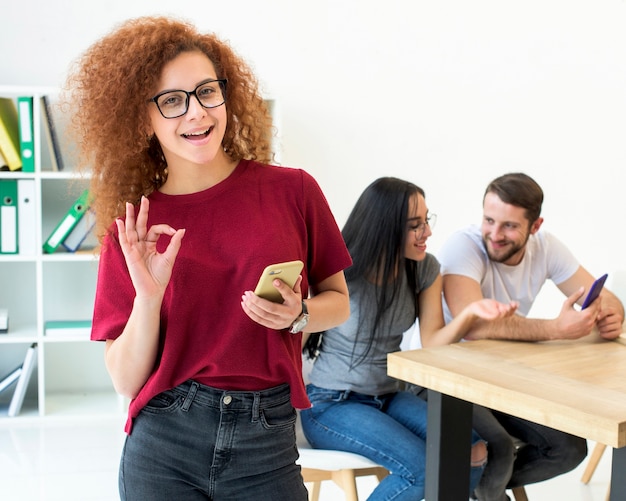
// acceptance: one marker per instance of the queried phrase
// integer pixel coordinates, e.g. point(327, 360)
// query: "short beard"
point(504, 257)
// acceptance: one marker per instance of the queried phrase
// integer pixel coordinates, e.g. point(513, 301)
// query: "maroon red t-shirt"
point(258, 216)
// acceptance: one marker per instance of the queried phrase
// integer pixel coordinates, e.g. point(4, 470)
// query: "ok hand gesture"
point(150, 271)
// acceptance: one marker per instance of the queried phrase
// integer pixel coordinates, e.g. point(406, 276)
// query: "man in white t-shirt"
point(508, 259)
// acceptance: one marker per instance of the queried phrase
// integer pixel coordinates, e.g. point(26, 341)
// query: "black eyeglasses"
point(419, 229)
point(175, 103)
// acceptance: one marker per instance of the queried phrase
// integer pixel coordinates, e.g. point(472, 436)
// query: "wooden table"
point(578, 387)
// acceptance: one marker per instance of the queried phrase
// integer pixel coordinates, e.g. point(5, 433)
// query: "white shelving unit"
point(70, 379)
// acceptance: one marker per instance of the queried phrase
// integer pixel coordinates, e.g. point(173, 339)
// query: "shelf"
point(29, 412)
point(70, 379)
point(19, 335)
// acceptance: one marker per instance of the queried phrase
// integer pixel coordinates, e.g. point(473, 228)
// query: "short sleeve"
point(463, 254)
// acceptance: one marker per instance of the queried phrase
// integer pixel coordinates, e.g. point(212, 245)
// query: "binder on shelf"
point(26, 217)
point(68, 328)
point(3, 163)
point(8, 216)
point(22, 383)
point(52, 134)
point(9, 135)
point(10, 378)
point(27, 144)
point(67, 224)
point(80, 232)
point(4, 321)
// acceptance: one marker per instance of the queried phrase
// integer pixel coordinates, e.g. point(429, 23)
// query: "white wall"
point(448, 94)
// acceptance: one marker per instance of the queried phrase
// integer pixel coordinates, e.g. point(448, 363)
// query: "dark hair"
point(375, 234)
point(520, 190)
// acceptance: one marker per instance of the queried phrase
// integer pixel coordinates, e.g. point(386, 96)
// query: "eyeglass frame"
point(431, 221)
point(221, 81)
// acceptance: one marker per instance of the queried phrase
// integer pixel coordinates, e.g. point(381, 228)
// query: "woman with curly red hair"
point(189, 213)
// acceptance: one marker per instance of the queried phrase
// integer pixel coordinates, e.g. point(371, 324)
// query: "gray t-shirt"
point(335, 369)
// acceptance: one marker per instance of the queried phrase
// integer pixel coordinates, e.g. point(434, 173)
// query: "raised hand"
point(490, 309)
point(150, 271)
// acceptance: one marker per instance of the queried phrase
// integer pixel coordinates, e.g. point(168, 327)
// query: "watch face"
point(300, 323)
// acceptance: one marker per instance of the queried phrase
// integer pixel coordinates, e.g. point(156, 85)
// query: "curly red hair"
point(107, 92)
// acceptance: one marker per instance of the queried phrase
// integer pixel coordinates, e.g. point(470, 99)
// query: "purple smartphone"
point(595, 290)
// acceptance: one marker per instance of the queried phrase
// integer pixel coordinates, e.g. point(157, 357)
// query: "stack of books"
point(78, 329)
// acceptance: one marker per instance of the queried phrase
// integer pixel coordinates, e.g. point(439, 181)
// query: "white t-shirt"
point(545, 258)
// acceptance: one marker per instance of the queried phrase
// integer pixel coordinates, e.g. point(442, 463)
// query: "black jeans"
point(196, 443)
point(545, 454)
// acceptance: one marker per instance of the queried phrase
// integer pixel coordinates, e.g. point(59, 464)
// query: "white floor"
point(77, 461)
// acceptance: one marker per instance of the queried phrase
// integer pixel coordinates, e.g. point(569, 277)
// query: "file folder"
point(22, 383)
point(52, 134)
point(81, 231)
point(10, 378)
point(26, 217)
point(4, 321)
point(8, 216)
point(67, 224)
point(3, 163)
point(9, 135)
point(27, 145)
point(68, 328)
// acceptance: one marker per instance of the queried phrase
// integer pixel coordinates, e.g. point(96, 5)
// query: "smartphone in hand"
point(594, 292)
point(288, 272)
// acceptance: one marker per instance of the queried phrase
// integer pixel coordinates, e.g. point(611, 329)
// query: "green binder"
point(8, 216)
point(27, 143)
point(66, 225)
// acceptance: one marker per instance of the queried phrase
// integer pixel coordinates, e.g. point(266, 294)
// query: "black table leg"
point(448, 446)
point(618, 475)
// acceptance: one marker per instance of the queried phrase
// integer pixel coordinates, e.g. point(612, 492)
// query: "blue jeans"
point(545, 454)
point(194, 442)
point(388, 429)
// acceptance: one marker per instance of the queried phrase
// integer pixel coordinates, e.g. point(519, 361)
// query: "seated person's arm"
point(611, 314)
point(459, 291)
point(434, 331)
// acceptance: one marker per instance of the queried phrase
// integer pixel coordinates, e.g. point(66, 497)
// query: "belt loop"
point(190, 396)
point(256, 405)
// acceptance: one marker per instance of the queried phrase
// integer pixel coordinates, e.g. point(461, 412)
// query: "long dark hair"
point(375, 234)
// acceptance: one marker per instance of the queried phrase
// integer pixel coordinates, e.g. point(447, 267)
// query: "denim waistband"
point(231, 399)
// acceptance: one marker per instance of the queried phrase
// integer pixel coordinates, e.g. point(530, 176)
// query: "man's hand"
point(610, 322)
point(574, 324)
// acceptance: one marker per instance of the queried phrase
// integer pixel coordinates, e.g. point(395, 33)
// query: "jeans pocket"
point(278, 417)
point(167, 401)
point(318, 396)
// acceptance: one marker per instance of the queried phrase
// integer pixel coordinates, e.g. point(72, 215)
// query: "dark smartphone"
point(595, 290)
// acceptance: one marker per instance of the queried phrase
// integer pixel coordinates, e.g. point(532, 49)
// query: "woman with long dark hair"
point(392, 282)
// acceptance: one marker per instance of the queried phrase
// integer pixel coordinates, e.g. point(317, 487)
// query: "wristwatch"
point(299, 323)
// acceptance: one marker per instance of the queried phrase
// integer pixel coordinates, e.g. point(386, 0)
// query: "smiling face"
point(195, 137)
point(417, 234)
point(505, 230)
